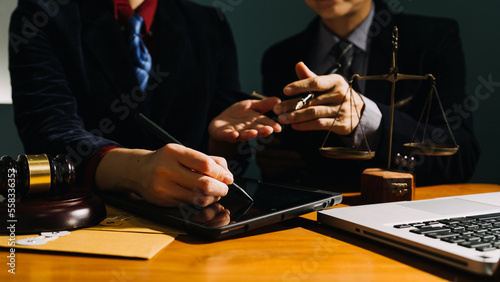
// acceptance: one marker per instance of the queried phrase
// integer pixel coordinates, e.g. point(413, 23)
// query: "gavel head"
point(35, 175)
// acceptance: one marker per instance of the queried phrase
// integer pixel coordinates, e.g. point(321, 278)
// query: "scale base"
point(380, 186)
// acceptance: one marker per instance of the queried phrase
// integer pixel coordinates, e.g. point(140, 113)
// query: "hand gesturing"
point(244, 121)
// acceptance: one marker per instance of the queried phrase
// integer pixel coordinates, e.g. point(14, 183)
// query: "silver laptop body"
point(378, 221)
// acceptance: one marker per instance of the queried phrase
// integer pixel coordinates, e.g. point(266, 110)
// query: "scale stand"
point(399, 189)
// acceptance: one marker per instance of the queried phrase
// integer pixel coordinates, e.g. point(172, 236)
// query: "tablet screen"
point(271, 203)
point(233, 208)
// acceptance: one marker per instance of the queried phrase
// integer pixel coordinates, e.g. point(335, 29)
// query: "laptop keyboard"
point(481, 232)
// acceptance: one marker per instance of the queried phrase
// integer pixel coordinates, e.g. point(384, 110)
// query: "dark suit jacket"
point(426, 45)
point(74, 90)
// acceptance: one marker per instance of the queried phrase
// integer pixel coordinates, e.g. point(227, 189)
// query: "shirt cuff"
point(368, 126)
point(91, 167)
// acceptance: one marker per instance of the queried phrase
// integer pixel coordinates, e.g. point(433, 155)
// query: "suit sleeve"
point(227, 69)
point(45, 109)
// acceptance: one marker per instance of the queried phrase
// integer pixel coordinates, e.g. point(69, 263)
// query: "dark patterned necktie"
point(344, 53)
point(138, 51)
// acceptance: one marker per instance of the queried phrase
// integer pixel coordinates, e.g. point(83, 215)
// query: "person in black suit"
point(75, 92)
point(296, 65)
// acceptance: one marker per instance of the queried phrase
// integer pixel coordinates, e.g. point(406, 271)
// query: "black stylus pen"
point(160, 132)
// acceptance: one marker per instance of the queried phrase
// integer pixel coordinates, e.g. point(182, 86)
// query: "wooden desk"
point(296, 250)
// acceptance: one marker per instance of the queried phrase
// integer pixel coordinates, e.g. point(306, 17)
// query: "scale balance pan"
point(430, 149)
point(346, 153)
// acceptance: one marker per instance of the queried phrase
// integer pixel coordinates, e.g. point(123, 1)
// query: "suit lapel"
point(173, 42)
point(103, 38)
point(380, 63)
point(172, 36)
point(301, 51)
point(308, 38)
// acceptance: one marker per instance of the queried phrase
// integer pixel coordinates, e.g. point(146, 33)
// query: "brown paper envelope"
point(120, 234)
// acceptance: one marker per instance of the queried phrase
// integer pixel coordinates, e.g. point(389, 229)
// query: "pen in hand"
point(309, 96)
point(304, 101)
point(160, 132)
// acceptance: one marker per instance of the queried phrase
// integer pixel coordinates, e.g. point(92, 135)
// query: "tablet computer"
point(232, 214)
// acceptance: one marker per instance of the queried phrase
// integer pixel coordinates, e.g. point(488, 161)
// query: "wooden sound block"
point(380, 186)
point(75, 209)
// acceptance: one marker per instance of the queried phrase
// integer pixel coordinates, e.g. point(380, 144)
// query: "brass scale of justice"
point(421, 148)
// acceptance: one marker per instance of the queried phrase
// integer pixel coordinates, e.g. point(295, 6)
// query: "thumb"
point(303, 71)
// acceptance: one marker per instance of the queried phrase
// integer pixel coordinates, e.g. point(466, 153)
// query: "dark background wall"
point(257, 24)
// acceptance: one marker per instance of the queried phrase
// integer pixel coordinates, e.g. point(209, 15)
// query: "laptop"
point(461, 231)
point(233, 214)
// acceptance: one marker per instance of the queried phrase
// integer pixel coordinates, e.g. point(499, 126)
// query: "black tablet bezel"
point(323, 199)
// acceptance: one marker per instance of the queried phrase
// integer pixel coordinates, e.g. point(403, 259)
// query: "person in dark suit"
point(296, 65)
point(75, 92)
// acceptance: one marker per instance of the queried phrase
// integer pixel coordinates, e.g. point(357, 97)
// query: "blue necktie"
point(138, 51)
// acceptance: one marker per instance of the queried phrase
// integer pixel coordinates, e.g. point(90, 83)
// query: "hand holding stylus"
point(169, 176)
point(322, 108)
point(210, 171)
